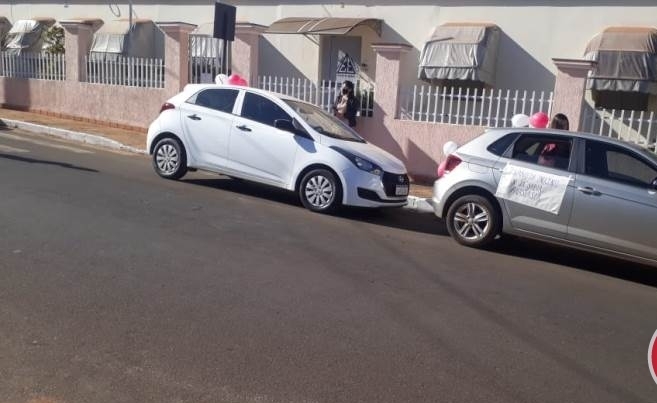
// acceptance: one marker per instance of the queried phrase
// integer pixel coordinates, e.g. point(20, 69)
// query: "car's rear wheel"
point(320, 191)
point(473, 220)
point(169, 159)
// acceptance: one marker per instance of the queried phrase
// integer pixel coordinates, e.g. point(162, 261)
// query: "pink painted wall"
point(419, 145)
point(117, 104)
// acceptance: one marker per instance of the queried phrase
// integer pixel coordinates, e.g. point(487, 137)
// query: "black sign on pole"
point(224, 28)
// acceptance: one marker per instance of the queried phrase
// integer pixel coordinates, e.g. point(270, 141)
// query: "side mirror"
point(285, 125)
point(653, 184)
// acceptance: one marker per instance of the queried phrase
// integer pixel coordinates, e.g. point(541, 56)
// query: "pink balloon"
point(235, 79)
point(539, 120)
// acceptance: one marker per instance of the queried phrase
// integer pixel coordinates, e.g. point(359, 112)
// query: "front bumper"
point(362, 189)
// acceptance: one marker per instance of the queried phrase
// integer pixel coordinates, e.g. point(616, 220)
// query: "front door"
point(541, 154)
point(208, 120)
point(615, 204)
point(257, 148)
point(341, 58)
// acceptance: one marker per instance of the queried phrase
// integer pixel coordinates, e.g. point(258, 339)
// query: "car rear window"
point(499, 146)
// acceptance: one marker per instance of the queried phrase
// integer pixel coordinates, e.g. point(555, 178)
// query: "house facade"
point(532, 32)
point(439, 69)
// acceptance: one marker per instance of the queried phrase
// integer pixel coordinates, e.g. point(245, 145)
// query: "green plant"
point(55, 40)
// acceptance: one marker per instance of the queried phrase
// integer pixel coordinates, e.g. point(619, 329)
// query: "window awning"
point(626, 60)
point(322, 26)
point(461, 51)
point(27, 36)
point(119, 38)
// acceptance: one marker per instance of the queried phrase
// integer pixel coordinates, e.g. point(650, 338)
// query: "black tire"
point(320, 191)
point(473, 221)
point(170, 159)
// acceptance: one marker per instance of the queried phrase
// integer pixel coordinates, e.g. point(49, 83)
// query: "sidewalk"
point(130, 138)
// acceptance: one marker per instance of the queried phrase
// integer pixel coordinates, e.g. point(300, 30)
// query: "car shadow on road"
point(391, 217)
point(46, 162)
point(581, 260)
point(427, 223)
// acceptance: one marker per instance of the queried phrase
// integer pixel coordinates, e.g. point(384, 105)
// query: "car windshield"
point(324, 123)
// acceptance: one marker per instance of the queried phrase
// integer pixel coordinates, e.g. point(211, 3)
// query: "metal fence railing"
point(471, 106)
point(126, 71)
point(638, 127)
point(40, 66)
point(322, 95)
point(205, 54)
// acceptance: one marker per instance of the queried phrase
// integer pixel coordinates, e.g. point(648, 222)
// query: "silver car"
point(570, 188)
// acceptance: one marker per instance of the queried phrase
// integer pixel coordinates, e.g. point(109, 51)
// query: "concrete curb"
point(419, 204)
point(80, 137)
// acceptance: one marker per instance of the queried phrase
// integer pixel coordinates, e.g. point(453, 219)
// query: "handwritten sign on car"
point(532, 188)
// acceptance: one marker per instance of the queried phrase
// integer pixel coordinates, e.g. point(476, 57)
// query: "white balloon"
point(449, 148)
point(520, 120)
point(221, 79)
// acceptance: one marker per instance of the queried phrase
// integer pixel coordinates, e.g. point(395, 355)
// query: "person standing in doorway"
point(346, 104)
point(560, 122)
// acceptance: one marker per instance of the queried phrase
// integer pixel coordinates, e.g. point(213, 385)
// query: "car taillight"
point(448, 165)
point(167, 106)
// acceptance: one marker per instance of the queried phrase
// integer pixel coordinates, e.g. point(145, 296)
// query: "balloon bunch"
point(234, 79)
point(539, 120)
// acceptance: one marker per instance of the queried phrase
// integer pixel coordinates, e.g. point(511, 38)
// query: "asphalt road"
point(117, 286)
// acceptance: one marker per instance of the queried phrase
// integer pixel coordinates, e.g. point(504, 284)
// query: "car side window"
point(548, 151)
point(222, 100)
point(611, 162)
point(500, 146)
point(262, 110)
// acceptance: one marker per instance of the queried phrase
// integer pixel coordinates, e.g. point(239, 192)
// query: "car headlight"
point(361, 163)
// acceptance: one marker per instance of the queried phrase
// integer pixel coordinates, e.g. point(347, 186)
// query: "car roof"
point(565, 133)
point(199, 87)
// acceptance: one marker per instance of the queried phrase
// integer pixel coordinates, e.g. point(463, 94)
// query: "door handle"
point(243, 128)
point(588, 190)
point(194, 117)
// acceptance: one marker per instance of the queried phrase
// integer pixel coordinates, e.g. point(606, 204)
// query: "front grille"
point(390, 182)
point(371, 195)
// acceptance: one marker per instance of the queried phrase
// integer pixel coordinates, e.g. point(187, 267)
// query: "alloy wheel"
point(167, 159)
point(472, 221)
point(319, 192)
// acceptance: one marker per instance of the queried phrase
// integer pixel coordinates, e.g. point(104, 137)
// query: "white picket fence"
point(322, 95)
point(638, 127)
point(127, 71)
point(476, 107)
point(40, 66)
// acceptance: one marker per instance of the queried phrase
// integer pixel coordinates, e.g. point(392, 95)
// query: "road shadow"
point(390, 217)
point(46, 162)
point(427, 223)
point(580, 260)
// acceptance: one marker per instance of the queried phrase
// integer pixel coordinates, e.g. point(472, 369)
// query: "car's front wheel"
point(169, 159)
point(472, 220)
point(320, 191)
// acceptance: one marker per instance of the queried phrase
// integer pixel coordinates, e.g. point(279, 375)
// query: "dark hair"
point(560, 122)
point(348, 84)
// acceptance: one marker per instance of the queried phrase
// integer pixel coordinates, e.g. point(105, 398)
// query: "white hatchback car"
point(272, 139)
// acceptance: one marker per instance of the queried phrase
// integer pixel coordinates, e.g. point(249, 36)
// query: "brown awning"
point(626, 60)
point(461, 51)
point(322, 26)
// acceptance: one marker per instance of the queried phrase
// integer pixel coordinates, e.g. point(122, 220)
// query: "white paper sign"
point(532, 188)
